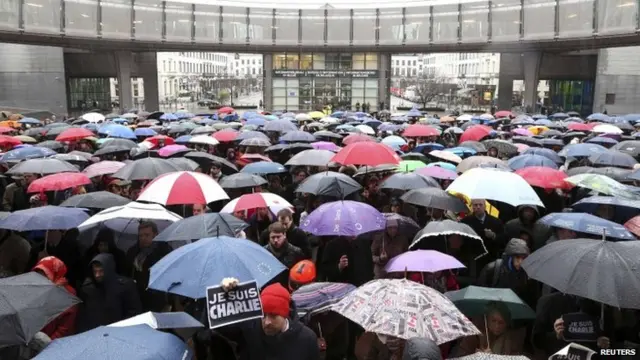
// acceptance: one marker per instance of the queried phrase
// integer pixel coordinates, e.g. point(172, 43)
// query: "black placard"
point(326, 73)
point(580, 327)
point(240, 304)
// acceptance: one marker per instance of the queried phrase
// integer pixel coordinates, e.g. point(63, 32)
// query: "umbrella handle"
point(320, 330)
point(486, 331)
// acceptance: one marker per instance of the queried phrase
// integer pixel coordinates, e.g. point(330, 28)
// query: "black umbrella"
point(27, 303)
point(51, 144)
point(552, 142)
point(111, 149)
point(603, 271)
point(35, 132)
point(434, 237)
point(631, 147)
point(551, 133)
point(57, 130)
point(406, 225)
point(533, 142)
point(327, 134)
point(184, 163)
point(130, 144)
point(414, 156)
point(434, 198)
point(206, 159)
point(146, 169)
point(42, 167)
point(475, 145)
point(96, 200)
point(408, 181)
point(329, 183)
point(366, 170)
point(241, 180)
point(202, 226)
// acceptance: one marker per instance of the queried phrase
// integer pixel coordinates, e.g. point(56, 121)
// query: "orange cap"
point(302, 273)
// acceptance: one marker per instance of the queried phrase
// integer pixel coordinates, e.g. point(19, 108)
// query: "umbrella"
point(447, 228)
point(251, 135)
point(297, 136)
point(627, 208)
point(183, 188)
point(462, 152)
point(475, 133)
point(587, 224)
point(42, 167)
point(366, 153)
point(103, 168)
point(522, 132)
point(591, 269)
point(476, 161)
point(203, 140)
point(408, 181)
point(146, 132)
point(613, 158)
point(280, 125)
point(116, 131)
point(319, 297)
point(495, 185)
point(263, 167)
point(139, 342)
point(430, 261)
point(394, 141)
point(171, 150)
point(602, 184)
point(226, 135)
point(602, 140)
point(27, 303)
point(311, 158)
point(544, 177)
point(25, 153)
point(582, 150)
point(418, 130)
point(241, 180)
point(71, 158)
point(548, 153)
point(405, 309)
point(184, 164)
point(160, 321)
point(617, 174)
point(329, 183)
point(475, 145)
point(206, 159)
point(405, 224)
point(73, 134)
point(125, 219)
point(93, 117)
point(259, 142)
point(529, 141)
point(631, 147)
point(343, 218)
point(95, 200)
point(213, 259)
point(503, 147)
point(121, 143)
point(202, 226)
point(434, 198)
point(255, 201)
point(58, 182)
point(112, 149)
point(446, 156)
point(607, 129)
point(354, 138)
point(473, 301)
point(524, 161)
point(408, 166)
point(437, 172)
point(44, 218)
point(145, 169)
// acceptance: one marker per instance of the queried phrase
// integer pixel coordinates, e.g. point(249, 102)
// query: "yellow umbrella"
point(316, 115)
point(536, 130)
point(491, 210)
point(26, 139)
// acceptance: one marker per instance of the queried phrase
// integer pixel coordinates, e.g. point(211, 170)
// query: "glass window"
point(332, 61)
point(417, 25)
point(293, 61)
point(346, 61)
point(475, 21)
point(234, 25)
point(371, 61)
point(40, 15)
point(148, 23)
point(506, 20)
point(359, 61)
point(178, 21)
point(364, 23)
point(616, 16)
point(279, 61)
point(313, 27)
point(338, 26)
point(286, 27)
point(391, 30)
point(445, 23)
point(539, 19)
point(81, 17)
point(260, 26)
point(306, 61)
point(318, 61)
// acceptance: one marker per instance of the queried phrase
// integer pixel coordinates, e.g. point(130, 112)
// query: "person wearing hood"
point(508, 273)
point(526, 222)
point(105, 244)
point(106, 296)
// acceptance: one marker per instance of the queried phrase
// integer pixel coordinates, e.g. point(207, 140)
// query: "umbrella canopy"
point(139, 342)
point(184, 164)
point(591, 269)
point(472, 243)
point(145, 169)
point(477, 161)
point(318, 297)
point(203, 140)
point(548, 153)
point(434, 198)
point(475, 133)
point(126, 218)
point(280, 125)
point(74, 134)
point(44, 218)
point(430, 261)
point(255, 201)
point(206, 160)
point(263, 167)
point(602, 184)
point(213, 259)
point(581, 150)
point(366, 153)
point(473, 301)
point(17, 155)
point(383, 307)
point(628, 208)
point(354, 138)
point(613, 158)
point(587, 224)
point(408, 166)
point(202, 226)
point(297, 136)
point(311, 158)
point(355, 218)
point(418, 130)
point(116, 131)
point(42, 167)
point(438, 172)
point(544, 177)
point(503, 147)
point(27, 303)
point(58, 182)
point(329, 183)
point(159, 321)
point(242, 180)
point(95, 200)
point(103, 168)
point(408, 181)
point(183, 188)
point(495, 185)
point(524, 161)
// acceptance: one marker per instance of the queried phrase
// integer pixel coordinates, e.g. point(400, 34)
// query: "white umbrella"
point(607, 129)
point(303, 117)
point(93, 117)
point(465, 117)
point(126, 218)
point(366, 129)
point(183, 188)
point(329, 120)
point(493, 184)
point(204, 140)
point(487, 117)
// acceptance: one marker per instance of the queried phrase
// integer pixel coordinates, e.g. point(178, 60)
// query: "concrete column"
point(384, 80)
point(505, 92)
point(267, 82)
point(148, 65)
point(531, 64)
point(124, 63)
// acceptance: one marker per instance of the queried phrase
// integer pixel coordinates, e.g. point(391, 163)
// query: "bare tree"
point(428, 87)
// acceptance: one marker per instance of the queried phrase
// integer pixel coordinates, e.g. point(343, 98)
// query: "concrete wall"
point(552, 66)
point(618, 73)
point(32, 77)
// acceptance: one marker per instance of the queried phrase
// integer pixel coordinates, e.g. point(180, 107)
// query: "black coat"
point(297, 343)
point(295, 236)
point(495, 246)
point(152, 300)
point(112, 300)
point(358, 251)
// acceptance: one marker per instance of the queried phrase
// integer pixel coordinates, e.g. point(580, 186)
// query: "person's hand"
point(344, 262)
point(229, 284)
point(489, 234)
point(603, 342)
point(558, 327)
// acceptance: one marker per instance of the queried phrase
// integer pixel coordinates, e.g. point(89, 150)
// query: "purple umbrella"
point(438, 172)
point(423, 261)
point(343, 218)
point(326, 145)
point(522, 132)
point(172, 149)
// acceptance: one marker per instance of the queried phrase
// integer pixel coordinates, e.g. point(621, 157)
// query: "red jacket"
point(65, 324)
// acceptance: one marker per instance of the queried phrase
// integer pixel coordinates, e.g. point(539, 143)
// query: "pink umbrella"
point(103, 168)
point(522, 132)
point(438, 172)
point(171, 150)
point(326, 145)
point(521, 147)
point(423, 261)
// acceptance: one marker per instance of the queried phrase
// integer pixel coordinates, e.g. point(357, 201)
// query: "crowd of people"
point(427, 211)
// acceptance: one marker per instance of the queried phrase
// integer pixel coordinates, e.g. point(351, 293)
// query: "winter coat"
point(295, 236)
point(65, 324)
point(297, 343)
point(393, 247)
point(14, 253)
point(152, 300)
point(538, 232)
point(15, 198)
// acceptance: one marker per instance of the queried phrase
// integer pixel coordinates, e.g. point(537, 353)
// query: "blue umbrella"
point(280, 125)
point(117, 131)
point(206, 121)
point(394, 141)
point(168, 117)
point(120, 121)
point(522, 161)
point(347, 128)
point(427, 148)
point(624, 209)
point(337, 114)
point(25, 153)
point(355, 218)
point(559, 116)
point(250, 114)
point(139, 342)
point(543, 122)
point(213, 259)
point(632, 117)
point(613, 158)
point(388, 127)
point(184, 115)
point(598, 117)
point(602, 140)
point(183, 139)
point(297, 136)
point(582, 150)
point(587, 224)
point(263, 167)
point(251, 134)
point(91, 127)
point(145, 132)
point(274, 117)
point(169, 320)
point(30, 121)
point(462, 151)
point(258, 121)
point(230, 117)
point(548, 153)
point(538, 116)
point(44, 218)
point(414, 113)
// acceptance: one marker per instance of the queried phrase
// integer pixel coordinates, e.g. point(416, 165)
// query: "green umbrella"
point(410, 165)
point(473, 301)
point(602, 184)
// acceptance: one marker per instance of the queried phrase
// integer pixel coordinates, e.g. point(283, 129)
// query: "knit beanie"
point(275, 300)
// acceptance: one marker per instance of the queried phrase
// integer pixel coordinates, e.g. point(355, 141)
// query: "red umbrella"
point(544, 177)
point(475, 133)
point(503, 114)
point(226, 110)
point(354, 138)
point(366, 153)
point(633, 225)
point(226, 135)
point(156, 140)
point(575, 126)
point(9, 141)
point(58, 182)
point(418, 130)
point(74, 134)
